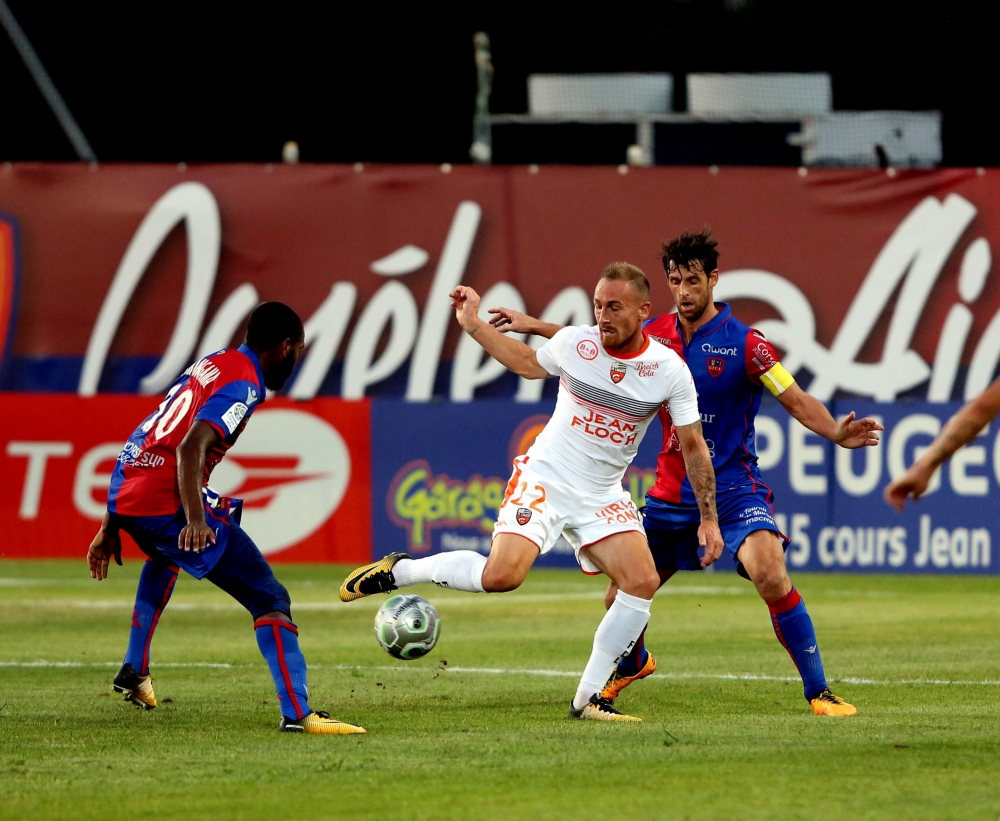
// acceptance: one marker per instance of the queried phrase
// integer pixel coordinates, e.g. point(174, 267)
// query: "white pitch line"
point(504, 671)
point(444, 602)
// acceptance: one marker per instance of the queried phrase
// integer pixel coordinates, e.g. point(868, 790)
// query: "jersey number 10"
point(170, 413)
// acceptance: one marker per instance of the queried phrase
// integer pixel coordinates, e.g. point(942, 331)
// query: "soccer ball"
point(407, 626)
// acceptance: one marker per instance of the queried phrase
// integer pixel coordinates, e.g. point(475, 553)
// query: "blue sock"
point(156, 583)
point(794, 630)
point(636, 659)
point(278, 641)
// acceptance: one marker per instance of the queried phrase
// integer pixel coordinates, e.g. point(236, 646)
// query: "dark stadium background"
point(199, 82)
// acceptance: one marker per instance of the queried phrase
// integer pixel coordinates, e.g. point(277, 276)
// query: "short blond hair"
point(626, 272)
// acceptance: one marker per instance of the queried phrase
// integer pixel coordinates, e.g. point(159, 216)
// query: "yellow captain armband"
point(777, 380)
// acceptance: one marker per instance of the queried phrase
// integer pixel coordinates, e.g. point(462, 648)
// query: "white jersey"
point(604, 406)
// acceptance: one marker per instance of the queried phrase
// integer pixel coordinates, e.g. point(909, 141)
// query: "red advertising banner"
point(302, 469)
point(878, 284)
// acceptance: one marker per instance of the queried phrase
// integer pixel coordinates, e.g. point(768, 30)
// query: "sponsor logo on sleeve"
point(646, 369)
point(715, 365)
point(762, 357)
point(523, 516)
point(251, 396)
point(618, 371)
point(587, 349)
point(234, 416)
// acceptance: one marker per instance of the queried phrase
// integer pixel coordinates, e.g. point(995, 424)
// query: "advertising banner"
point(877, 285)
point(439, 473)
point(302, 470)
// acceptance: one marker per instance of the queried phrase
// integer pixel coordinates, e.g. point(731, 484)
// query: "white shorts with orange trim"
point(542, 510)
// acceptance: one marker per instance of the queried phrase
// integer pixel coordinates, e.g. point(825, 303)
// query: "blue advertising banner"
point(439, 473)
point(829, 500)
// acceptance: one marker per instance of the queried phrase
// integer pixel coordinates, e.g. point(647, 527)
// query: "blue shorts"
point(234, 563)
point(672, 530)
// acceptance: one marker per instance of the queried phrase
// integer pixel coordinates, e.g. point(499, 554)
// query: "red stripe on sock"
point(276, 622)
point(156, 620)
point(787, 602)
point(284, 668)
point(775, 612)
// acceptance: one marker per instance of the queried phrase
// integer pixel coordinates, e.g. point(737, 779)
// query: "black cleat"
point(137, 689)
point(370, 579)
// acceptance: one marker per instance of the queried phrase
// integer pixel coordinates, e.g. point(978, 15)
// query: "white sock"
point(618, 631)
point(456, 570)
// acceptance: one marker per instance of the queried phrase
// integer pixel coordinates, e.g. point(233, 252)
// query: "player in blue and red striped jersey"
point(159, 495)
point(731, 364)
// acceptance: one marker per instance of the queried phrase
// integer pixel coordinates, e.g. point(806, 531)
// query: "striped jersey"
point(604, 405)
point(223, 390)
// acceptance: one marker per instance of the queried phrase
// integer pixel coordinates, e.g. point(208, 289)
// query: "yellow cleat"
point(827, 704)
point(618, 682)
point(371, 578)
point(600, 709)
point(136, 689)
point(319, 723)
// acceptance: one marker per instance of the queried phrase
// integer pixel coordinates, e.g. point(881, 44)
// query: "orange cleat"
point(827, 704)
point(618, 682)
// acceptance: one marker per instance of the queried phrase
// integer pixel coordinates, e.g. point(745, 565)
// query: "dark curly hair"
point(692, 248)
point(270, 324)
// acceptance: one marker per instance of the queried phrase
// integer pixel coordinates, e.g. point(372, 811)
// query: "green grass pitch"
point(463, 734)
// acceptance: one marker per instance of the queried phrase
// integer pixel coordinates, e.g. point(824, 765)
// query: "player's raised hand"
point(857, 433)
point(195, 537)
point(465, 301)
point(105, 545)
point(710, 538)
point(912, 484)
point(507, 321)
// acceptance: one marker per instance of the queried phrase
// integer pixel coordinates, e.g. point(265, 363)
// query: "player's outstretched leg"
point(763, 559)
point(511, 557)
point(456, 570)
point(246, 576)
point(156, 584)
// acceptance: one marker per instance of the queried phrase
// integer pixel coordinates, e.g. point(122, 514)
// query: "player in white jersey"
point(612, 381)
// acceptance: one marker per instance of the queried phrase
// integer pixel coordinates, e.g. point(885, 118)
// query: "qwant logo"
point(9, 277)
point(291, 470)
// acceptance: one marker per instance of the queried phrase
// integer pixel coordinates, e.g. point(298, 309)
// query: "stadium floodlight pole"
point(482, 138)
point(49, 91)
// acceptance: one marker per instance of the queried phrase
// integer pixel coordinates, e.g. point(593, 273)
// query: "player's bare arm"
point(509, 321)
point(961, 429)
point(514, 355)
point(106, 544)
point(196, 535)
point(849, 432)
point(698, 460)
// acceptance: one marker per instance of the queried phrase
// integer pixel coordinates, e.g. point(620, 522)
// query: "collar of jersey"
point(634, 354)
point(250, 354)
point(724, 315)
